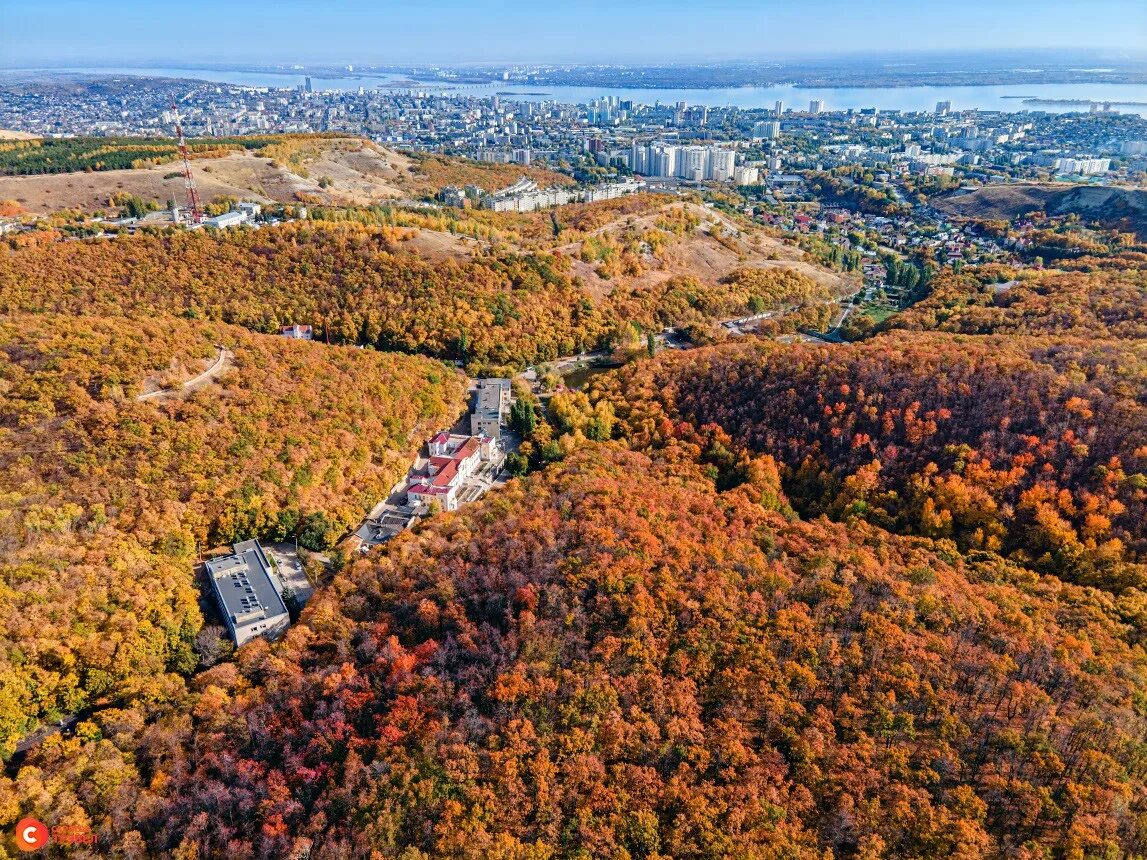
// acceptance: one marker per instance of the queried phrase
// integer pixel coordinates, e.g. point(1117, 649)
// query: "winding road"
point(222, 363)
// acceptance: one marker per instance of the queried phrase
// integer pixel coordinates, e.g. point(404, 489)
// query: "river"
point(987, 98)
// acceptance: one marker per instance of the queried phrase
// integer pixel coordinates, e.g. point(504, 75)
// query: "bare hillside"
point(338, 171)
point(1124, 208)
point(995, 202)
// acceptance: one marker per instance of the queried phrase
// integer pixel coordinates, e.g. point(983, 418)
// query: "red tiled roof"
point(446, 475)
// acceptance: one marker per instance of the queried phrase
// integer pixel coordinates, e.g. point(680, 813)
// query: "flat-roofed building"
point(247, 596)
point(227, 219)
point(491, 405)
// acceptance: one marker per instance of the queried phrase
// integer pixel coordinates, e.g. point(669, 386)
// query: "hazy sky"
point(456, 31)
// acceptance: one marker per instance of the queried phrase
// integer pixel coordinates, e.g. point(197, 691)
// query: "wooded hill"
point(764, 600)
point(106, 502)
point(359, 284)
point(1091, 298)
point(1032, 448)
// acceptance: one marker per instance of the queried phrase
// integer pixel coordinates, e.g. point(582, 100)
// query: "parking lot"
point(289, 570)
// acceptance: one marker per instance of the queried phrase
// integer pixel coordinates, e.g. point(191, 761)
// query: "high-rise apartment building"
point(663, 160)
point(721, 164)
point(694, 163)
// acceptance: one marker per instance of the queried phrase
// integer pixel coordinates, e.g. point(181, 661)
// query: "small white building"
point(227, 219)
point(297, 332)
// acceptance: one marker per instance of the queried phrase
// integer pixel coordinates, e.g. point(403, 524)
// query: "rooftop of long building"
point(243, 583)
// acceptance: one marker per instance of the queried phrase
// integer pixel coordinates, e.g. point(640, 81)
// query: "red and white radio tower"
point(192, 194)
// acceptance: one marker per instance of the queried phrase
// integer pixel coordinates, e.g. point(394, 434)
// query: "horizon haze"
point(449, 32)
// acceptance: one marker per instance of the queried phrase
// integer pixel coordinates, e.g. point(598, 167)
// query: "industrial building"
point(227, 219)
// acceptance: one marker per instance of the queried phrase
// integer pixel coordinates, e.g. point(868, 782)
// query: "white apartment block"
point(694, 163)
point(1083, 166)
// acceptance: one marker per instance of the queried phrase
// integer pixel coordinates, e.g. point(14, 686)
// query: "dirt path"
point(222, 365)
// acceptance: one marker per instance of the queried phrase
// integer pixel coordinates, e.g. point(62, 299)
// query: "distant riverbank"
point(1080, 103)
point(1055, 98)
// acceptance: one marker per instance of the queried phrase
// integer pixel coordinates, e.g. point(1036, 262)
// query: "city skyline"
point(449, 32)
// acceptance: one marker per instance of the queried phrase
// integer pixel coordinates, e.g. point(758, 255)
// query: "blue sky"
point(452, 31)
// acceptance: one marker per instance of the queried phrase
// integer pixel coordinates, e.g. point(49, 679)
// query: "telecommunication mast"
point(196, 212)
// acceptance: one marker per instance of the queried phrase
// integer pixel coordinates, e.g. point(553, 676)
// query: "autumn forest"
point(762, 596)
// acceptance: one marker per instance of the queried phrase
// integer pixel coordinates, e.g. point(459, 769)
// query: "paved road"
point(834, 331)
point(66, 725)
point(217, 369)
